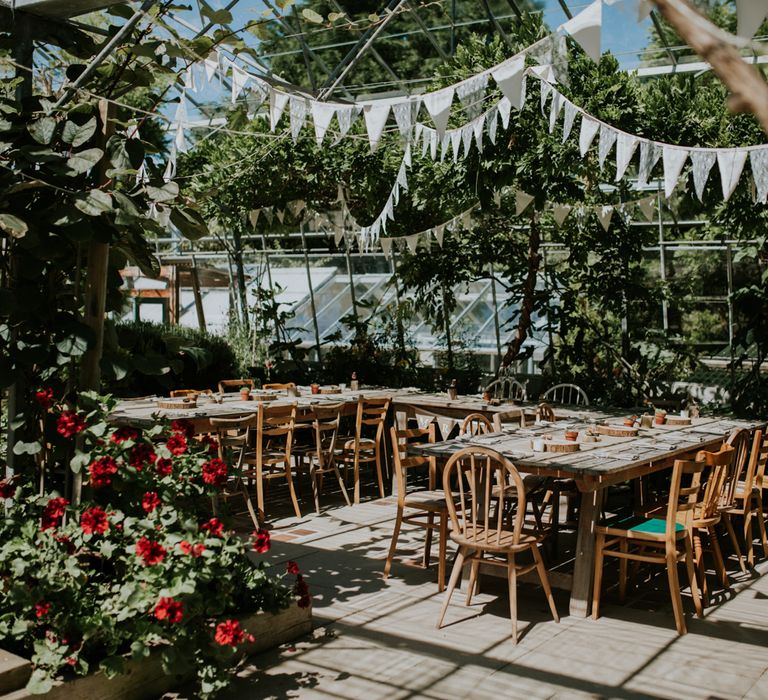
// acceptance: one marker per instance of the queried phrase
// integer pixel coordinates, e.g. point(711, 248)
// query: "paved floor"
point(376, 638)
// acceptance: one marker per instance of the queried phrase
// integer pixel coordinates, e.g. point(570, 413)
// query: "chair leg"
point(674, 592)
point(341, 483)
point(356, 476)
point(761, 524)
point(315, 487)
point(692, 577)
point(442, 551)
point(748, 534)
point(718, 555)
point(455, 573)
point(428, 540)
point(393, 544)
point(623, 547)
point(474, 570)
point(512, 580)
point(379, 474)
point(292, 491)
point(701, 571)
point(544, 577)
point(734, 541)
point(598, 578)
point(260, 493)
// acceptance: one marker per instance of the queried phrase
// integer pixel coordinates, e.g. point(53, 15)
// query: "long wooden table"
point(595, 467)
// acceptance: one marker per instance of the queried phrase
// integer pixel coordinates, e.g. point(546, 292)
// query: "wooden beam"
point(749, 92)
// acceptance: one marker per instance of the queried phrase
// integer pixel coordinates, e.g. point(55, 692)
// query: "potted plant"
point(245, 393)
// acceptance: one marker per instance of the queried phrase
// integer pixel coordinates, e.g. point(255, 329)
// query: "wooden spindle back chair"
point(740, 440)
point(179, 393)
point(507, 388)
point(366, 447)
point(233, 385)
point(567, 394)
point(277, 386)
point(545, 412)
point(477, 482)
point(476, 424)
point(513, 418)
point(325, 427)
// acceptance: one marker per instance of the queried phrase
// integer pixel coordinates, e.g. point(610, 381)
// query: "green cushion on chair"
point(652, 526)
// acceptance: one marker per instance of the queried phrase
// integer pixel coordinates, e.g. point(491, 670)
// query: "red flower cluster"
point(102, 470)
point(292, 568)
point(42, 609)
point(214, 527)
point(149, 551)
point(44, 397)
point(142, 454)
point(177, 444)
point(169, 609)
point(261, 543)
point(53, 513)
point(123, 434)
point(230, 634)
point(94, 520)
point(164, 466)
point(183, 427)
point(69, 424)
point(302, 591)
point(211, 442)
point(150, 501)
point(215, 472)
point(195, 550)
point(7, 489)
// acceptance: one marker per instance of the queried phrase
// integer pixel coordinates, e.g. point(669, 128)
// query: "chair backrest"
point(545, 412)
point(273, 424)
point(371, 414)
point(278, 386)
point(739, 440)
point(506, 388)
point(325, 422)
point(482, 479)
point(403, 461)
point(719, 464)
point(232, 434)
point(684, 499)
point(568, 394)
point(228, 385)
point(758, 456)
point(476, 424)
point(178, 393)
point(516, 416)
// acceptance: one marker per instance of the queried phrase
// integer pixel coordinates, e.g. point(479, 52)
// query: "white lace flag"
point(466, 138)
point(211, 65)
point(346, 116)
point(433, 141)
point(478, 127)
point(455, 136)
point(750, 14)
point(280, 214)
point(438, 105)
point(253, 217)
point(702, 162)
point(586, 27)
point(608, 137)
point(555, 109)
point(239, 80)
point(412, 242)
point(466, 220)
point(493, 124)
point(299, 107)
point(731, 163)
point(568, 119)
point(546, 91)
point(471, 93)
point(589, 128)
point(386, 246)
point(648, 207)
point(277, 103)
point(522, 201)
point(626, 144)
point(650, 153)
point(376, 115)
point(439, 232)
point(505, 109)
point(405, 116)
point(674, 159)
point(322, 113)
point(560, 213)
point(758, 159)
point(510, 78)
point(605, 214)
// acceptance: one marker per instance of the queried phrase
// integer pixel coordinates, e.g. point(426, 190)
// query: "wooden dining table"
point(595, 466)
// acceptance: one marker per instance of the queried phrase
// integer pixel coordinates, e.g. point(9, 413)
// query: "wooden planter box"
point(144, 678)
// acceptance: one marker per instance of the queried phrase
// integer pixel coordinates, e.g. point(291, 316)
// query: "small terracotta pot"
point(661, 418)
point(314, 388)
point(629, 422)
point(571, 435)
point(245, 395)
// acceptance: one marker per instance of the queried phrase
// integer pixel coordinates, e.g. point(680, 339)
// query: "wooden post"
point(198, 296)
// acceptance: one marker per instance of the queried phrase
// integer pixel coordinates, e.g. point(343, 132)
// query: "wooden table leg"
point(584, 565)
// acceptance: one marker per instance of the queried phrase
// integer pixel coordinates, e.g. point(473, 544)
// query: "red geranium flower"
point(7, 489)
point(142, 454)
point(169, 609)
point(94, 520)
point(292, 568)
point(185, 547)
point(150, 501)
point(211, 442)
point(164, 466)
point(42, 609)
point(44, 397)
point(71, 660)
point(53, 513)
point(215, 472)
point(214, 527)
point(101, 471)
point(69, 424)
point(229, 633)
point(197, 550)
point(183, 427)
point(177, 444)
point(302, 590)
point(149, 551)
point(261, 542)
point(123, 434)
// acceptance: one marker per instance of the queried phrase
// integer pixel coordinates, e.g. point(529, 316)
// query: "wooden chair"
point(748, 495)
point(179, 393)
point(270, 457)
point(740, 439)
point(669, 541)
point(545, 412)
point(483, 534)
point(422, 505)
point(233, 438)
point(321, 456)
point(506, 388)
point(361, 450)
point(567, 394)
point(233, 385)
point(513, 418)
point(476, 424)
point(278, 386)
